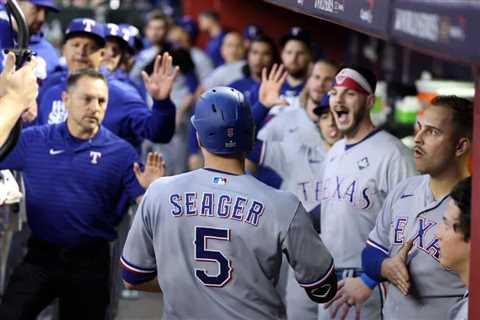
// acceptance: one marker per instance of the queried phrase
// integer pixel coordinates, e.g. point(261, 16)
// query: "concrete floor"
point(148, 306)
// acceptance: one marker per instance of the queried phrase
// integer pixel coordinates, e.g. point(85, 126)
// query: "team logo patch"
point(363, 163)
point(220, 180)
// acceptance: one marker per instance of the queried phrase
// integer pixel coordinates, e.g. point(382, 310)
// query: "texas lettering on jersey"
point(423, 238)
point(209, 204)
point(348, 190)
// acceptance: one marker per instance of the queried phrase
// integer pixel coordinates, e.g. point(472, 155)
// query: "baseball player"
point(300, 164)
point(360, 170)
point(454, 240)
point(402, 248)
point(212, 239)
point(127, 115)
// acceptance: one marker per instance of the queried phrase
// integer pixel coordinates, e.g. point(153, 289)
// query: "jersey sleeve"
point(378, 244)
point(137, 121)
point(306, 253)
point(16, 159)
point(138, 258)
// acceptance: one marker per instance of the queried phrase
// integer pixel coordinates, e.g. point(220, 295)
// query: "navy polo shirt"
point(76, 190)
point(127, 114)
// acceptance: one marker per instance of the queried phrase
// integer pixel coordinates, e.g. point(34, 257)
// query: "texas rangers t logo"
point(95, 156)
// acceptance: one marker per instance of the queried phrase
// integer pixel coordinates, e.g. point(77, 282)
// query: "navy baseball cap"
point(49, 4)
point(323, 106)
point(188, 24)
point(113, 30)
point(86, 26)
point(296, 33)
point(135, 40)
point(252, 31)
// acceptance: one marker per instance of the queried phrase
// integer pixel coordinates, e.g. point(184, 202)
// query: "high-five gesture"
point(159, 83)
point(154, 169)
point(269, 92)
point(395, 269)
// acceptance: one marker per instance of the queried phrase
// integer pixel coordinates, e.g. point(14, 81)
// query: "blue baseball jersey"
point(213, 49)
point(245, 85)
point(76, 190)
point(45, 51)
point(127, 114)
point(124, 77)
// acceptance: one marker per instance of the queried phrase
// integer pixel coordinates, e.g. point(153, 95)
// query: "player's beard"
point(357, 117)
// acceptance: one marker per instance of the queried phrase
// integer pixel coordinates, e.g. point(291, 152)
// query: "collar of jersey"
point(220, 171)
point(67, 140)
point(371, 134)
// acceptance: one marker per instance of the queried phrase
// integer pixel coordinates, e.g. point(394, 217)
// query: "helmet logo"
point(230, 132)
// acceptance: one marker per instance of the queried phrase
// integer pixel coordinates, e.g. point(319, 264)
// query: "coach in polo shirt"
point(79, 179)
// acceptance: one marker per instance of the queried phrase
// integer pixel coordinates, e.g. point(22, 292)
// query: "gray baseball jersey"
point(410, 212)
point(297, 156)
point(215, 241)
point(291, 121)
point(357, 179)
point(459, 311)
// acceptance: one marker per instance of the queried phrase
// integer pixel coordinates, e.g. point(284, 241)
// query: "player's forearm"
point(149, 286)
point(160, 124)
point(10, 111)
point(372, 259)
point(259, 112)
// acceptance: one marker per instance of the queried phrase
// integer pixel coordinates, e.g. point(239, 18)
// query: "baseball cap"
point(251, 31)
point(296, 33)
point(49, 4)
point(188, 24)
point(88, 27)
point(135, 37)
point(323, 106)
point(113, 30)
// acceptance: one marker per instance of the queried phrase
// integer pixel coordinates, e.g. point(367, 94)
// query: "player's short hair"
point(462, 110)
point(330, 62)
point(365, 72)
point(269, 41)
point(211, 14)
point(461, 195)
point(74, 77)
point(158, 15)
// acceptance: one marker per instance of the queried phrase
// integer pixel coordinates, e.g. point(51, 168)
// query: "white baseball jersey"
point(459, 311)
point(215, 242)
point(357, 179)
point(224, 74)
point(410, 212)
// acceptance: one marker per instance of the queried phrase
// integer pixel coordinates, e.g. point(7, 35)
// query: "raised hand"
point(159, 83)
point(395, 268)
point(19, 86)
point(269, 92)
point(154, 169)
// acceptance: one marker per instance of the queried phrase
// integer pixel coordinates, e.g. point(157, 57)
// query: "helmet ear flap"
point(223, 121)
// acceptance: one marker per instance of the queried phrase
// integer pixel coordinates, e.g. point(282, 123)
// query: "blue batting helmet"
point(224, 121)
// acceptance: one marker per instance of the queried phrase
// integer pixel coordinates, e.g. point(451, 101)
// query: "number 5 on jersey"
point(202, 235)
